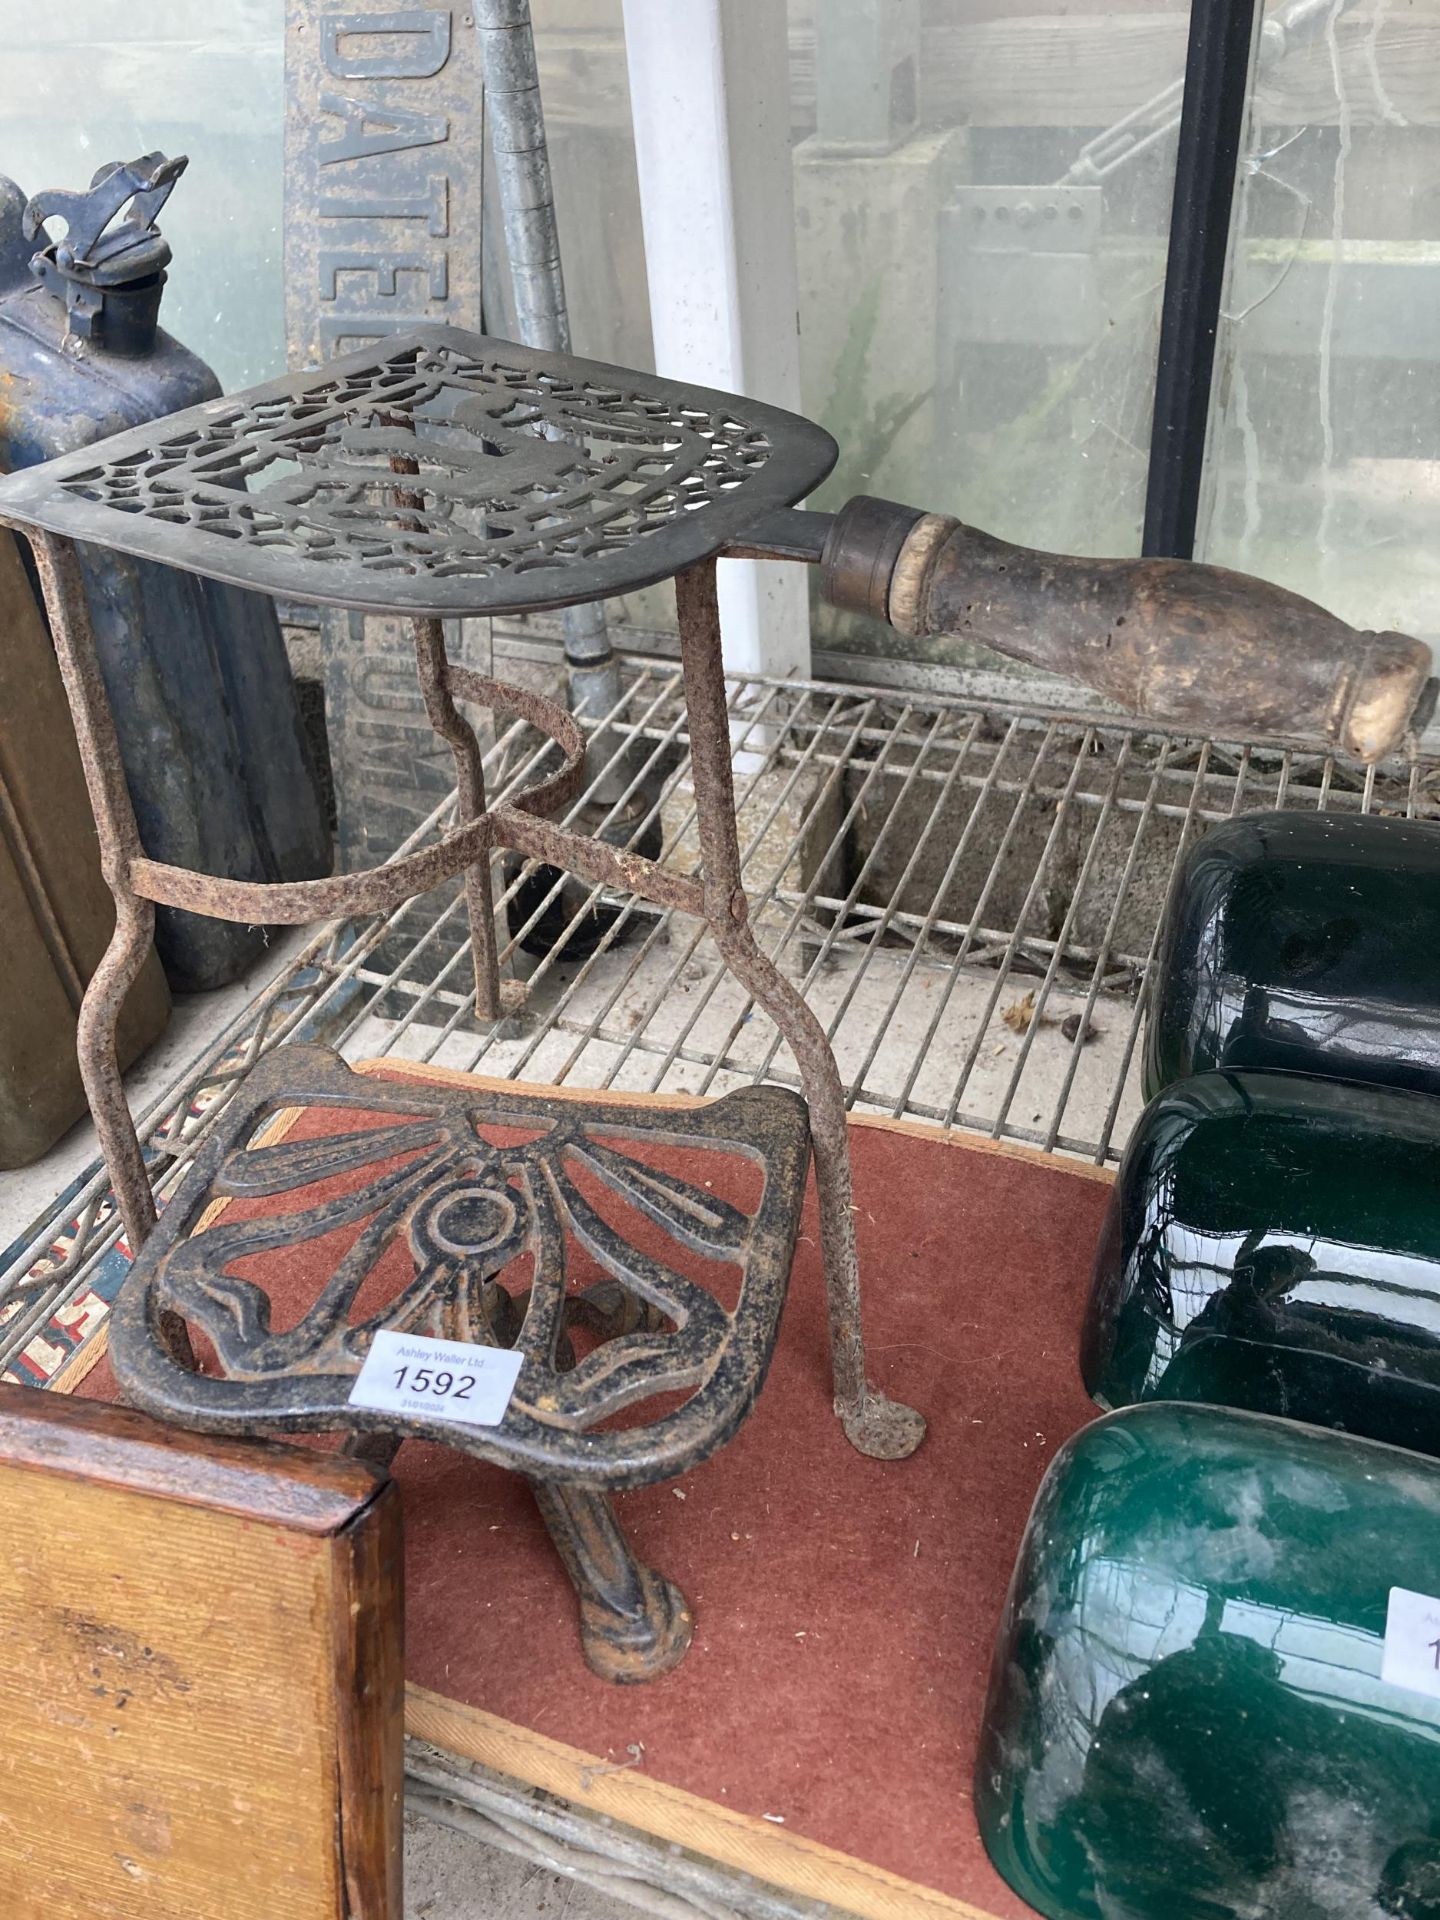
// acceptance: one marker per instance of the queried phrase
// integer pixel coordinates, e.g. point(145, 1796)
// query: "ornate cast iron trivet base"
point(490, 1228)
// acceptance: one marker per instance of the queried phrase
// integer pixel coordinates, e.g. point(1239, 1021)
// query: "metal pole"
point(1212, 121)
point(516, 121)
point(711, 110)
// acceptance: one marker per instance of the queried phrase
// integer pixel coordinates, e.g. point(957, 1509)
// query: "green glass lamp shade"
point(1308, 942)
point(1214, 1694)
point(1273, 1242)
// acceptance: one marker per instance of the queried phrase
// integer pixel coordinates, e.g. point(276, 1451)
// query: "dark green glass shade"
point(1188, 1718)
point(1308, 942)
point(1273, 1242)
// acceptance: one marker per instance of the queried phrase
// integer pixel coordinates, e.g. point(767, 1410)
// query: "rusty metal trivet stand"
point(449, 475)
point(444, 474)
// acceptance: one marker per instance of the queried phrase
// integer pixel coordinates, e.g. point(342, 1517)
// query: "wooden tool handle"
point(1186, 645)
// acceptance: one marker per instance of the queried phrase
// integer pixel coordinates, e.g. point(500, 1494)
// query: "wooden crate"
point(201, 1699)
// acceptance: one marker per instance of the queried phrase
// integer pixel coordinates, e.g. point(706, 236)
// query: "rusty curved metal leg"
point(457, 733)
point(875, 1425)
point(884, 1429)
point(95, 1044)
point(95, 1029)
point(634, 1623)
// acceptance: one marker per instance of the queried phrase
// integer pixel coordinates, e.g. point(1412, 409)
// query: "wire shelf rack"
point(969, 893)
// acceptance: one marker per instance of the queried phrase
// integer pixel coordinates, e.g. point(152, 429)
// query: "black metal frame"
point(1212, 122)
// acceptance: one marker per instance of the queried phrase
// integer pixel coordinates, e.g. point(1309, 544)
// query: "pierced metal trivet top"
point(466, 1209)
point(441, 473)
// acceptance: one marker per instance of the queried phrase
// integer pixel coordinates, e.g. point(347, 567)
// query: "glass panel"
point(983, 200)
point(580, 52)
point(82, 83)
point(585, 86)
point(87, 81)
point(1323, 459)
point(982, 196)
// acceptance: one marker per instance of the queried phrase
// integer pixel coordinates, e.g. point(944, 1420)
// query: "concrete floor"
point(693, 1007)
point(449, 1876)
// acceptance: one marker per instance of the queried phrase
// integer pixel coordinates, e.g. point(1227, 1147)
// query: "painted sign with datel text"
point(383, 139)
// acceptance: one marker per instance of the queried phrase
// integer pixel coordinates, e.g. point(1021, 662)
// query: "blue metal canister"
point(209, 726)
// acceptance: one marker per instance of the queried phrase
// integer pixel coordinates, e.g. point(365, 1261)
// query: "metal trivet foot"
point(490, 1226)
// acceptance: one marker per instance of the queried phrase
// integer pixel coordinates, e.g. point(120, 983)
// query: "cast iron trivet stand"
point(446, 475)
point(452, 475)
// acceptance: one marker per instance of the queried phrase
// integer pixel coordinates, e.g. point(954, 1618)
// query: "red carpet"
point(845, 1609)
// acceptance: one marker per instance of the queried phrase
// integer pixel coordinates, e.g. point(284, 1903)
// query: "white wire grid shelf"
point(969, 894)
